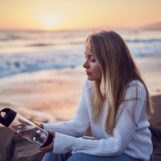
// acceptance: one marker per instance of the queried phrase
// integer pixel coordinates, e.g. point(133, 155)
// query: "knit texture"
point(131, 134)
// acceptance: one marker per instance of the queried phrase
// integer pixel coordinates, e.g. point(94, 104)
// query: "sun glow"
point(49, 23)
point(63, 15)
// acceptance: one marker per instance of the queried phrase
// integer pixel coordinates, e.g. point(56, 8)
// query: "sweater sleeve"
point(78, 125)
point(122, 134)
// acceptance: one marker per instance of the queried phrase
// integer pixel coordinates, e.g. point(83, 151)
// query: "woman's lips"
point(88, 73)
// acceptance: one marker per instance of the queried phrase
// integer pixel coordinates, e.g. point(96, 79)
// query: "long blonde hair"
point(118, 70)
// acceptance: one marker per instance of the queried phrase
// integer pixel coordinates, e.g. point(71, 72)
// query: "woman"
point(115, 104)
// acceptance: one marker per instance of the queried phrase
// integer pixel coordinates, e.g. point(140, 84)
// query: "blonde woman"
point(115, 104)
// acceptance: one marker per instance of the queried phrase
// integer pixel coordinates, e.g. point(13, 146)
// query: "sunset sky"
point(78, 14)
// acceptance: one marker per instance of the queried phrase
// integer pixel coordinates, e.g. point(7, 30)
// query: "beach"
point(52, 96)
point(57, 92)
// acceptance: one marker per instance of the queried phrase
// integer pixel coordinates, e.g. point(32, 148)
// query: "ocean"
point(31, 51)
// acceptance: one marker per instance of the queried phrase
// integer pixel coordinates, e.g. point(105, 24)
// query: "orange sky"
point(74, 14)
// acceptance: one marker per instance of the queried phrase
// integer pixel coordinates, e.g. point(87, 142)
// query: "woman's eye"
point(92, 59)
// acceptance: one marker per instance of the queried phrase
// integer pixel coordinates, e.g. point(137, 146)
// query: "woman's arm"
point(122, 135)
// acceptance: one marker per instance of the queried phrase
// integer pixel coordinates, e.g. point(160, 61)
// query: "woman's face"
point(91, 66)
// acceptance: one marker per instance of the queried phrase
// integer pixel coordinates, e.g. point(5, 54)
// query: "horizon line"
point(156, 25)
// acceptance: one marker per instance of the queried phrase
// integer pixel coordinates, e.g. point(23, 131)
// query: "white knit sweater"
point(131, 135)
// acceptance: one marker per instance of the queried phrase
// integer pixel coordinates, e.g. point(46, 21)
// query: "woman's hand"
point(48, 148)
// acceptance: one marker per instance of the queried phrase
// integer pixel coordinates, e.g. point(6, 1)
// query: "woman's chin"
point(93, 79)
point(89, 78)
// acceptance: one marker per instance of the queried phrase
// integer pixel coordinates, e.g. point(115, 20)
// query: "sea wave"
point(154, 40)
point(28, 51)
point(13, 64)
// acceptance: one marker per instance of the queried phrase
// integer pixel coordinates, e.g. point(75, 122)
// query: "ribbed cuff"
point(63, 143)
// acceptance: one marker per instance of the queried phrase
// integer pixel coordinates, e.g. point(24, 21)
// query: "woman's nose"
point(86, 65)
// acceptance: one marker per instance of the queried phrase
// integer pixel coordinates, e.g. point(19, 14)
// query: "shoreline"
point(150, 70)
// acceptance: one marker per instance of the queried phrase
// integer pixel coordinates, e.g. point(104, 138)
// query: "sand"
point(55, 93)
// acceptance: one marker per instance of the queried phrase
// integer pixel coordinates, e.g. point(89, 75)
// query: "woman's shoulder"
point(136, 83)
point(136, 86)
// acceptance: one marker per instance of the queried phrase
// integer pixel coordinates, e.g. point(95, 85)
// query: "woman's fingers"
point(47, 148)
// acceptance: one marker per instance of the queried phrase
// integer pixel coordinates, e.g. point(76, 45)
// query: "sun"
point(49, 23)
